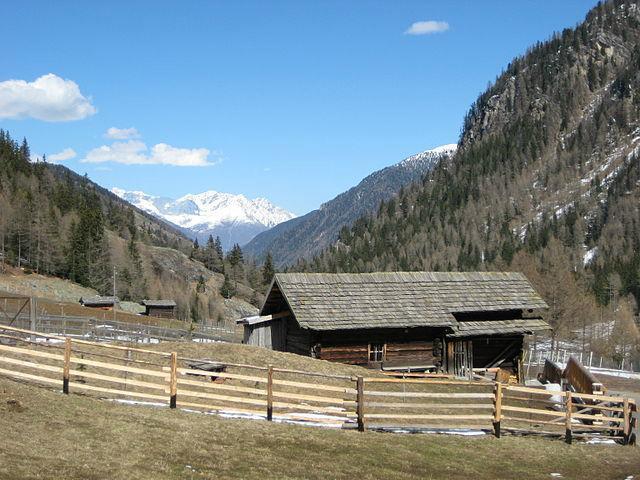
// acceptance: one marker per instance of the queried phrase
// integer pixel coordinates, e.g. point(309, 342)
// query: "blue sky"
point(295, 101)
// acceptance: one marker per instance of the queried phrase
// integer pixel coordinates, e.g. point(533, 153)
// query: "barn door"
point(463, 358)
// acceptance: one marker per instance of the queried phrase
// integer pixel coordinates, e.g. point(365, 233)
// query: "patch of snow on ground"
point(600, 441)
point(615, 373)
point(138, 402)
point(589, 255)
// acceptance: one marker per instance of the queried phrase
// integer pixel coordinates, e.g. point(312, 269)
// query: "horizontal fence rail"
point(140, 375)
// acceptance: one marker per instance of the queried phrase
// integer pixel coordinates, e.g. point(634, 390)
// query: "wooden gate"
point(461, 358)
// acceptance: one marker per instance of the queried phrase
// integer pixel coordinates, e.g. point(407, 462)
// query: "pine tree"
point(236, 260)
point(267, 270)
point(201, 287)
point(227, 290)
point(211, 257)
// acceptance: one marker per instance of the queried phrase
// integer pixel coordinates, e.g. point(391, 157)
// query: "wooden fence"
point(372, 402)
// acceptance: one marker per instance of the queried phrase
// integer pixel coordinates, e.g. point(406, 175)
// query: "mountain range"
point(305, 236)
point(233, 218)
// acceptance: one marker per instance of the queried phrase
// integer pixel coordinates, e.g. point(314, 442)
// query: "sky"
point(295, 101)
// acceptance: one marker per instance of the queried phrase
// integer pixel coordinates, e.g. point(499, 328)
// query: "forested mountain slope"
point(546, 179)
point(55, 222)
point(309, 234)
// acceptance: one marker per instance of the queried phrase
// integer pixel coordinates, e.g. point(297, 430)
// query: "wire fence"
point(535, 357)
point(20, 312)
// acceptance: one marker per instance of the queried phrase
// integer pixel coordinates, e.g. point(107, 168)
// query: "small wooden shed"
point(401, 320)
point(159, 308)
point(98, 301)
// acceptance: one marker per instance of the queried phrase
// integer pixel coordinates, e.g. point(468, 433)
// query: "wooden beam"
point(627, 421)
point(67, 365)
point(429, 394)
point(568, 407)
point(360, 403)
point(120, 368)
point(430, 417)
point(497, 413)
point(31, 352)
point(270, 393)
point(263, 318)
point(173, 380)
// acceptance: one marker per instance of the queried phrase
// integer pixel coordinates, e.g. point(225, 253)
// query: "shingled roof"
point(98, 301)
point(158, 303)
point(499, 327)
point(339, 301)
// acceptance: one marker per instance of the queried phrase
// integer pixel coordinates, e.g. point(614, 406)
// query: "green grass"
point(49, 435)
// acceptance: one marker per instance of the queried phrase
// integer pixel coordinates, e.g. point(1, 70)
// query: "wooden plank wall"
point(272, 334)
point(412, 352)
point(297, 340)
point(396, 353)
point(349, 354)
point(581, 379)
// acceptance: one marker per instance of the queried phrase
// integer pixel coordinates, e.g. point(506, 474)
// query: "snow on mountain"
point(234, 218)
point(430, 156)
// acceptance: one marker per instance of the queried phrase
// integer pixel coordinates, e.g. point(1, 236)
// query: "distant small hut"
point(100, 302)
point(438, 321)
point(159, 308)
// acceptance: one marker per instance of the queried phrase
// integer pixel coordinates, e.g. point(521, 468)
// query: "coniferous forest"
point(58, 223)
point(546, 181)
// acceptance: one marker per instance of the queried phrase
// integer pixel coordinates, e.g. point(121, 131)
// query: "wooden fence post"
point(173, 381)
point(66, 366)
point(627, 421)
point(568, 407)
point(270, 393)
point(360, 403)
point(497, 410)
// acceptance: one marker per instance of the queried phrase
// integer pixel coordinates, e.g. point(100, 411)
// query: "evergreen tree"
point(227, 290)
point(236, 261)
point(267, 270)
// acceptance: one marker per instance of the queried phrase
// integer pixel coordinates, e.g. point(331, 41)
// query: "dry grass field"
point(48, 435)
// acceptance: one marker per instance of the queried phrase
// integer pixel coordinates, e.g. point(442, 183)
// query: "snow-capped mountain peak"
point(234, 218)
point(431, 155)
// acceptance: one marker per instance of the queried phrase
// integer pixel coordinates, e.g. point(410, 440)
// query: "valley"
point(467, 308)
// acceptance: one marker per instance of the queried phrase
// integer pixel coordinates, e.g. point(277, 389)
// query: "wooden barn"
point(159, 308)
point(420, 321)
point(100, 302)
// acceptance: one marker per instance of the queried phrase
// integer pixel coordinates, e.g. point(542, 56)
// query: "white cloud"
point(66, 154)
point(135, 152)
point(427, 27)
point(115, 133)
point(49, 98)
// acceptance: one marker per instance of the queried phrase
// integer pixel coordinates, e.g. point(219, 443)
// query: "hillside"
point(546, 180)
point(60, 224)
point(234, 218)
point(309, 234)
